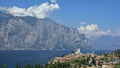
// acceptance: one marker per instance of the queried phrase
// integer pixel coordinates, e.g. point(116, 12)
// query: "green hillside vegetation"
point(57, 65)
point(117, 65)
point(116, 52)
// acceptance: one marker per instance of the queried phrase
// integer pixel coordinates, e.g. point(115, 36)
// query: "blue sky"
point(104, 13)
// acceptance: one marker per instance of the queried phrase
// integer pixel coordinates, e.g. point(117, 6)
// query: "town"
point(88, 60)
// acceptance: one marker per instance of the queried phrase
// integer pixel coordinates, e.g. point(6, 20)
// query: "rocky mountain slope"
point(30, 33)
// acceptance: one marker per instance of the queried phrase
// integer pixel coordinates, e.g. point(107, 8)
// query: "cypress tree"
point(28, 66)
point(4, 66)
point(17, 65)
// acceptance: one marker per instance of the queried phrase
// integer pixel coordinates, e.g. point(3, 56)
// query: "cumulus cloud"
point(93, 31)
point(88, 28)
point(40, 11)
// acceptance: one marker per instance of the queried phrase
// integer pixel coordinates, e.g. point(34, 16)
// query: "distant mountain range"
point(107, 42)
point(30, 33)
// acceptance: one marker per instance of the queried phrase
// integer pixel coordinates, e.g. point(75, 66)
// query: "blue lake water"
point(10, 58)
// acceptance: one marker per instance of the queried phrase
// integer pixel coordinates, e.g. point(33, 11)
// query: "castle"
point(77, 51)
point(67, 58)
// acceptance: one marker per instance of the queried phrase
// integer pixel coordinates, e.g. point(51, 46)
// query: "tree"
point(17, 65)
point(28, 66)
point(38, 66)
point(4, 66)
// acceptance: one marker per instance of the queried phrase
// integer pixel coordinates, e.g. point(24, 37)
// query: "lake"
point(10, 58)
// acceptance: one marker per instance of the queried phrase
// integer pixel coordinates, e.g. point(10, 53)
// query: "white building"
point(104, 66)
point(77, 51)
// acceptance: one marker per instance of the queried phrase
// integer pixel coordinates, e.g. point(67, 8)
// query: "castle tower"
point(77, 51)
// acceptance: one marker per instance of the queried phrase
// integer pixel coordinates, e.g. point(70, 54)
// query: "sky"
point(93, 17)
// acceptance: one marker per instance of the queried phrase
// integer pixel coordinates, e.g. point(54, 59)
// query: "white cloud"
point(40, 11)
point(92, 27)
point(93, 31)
point(88, 28)
point(53, 1)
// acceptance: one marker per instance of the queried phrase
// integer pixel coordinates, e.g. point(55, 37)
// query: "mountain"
point(30, 33)
point(107, 42)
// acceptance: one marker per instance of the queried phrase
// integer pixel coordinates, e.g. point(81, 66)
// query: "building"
point(104, 66)
point(67, 58)
point(77, 51)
